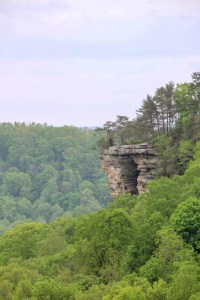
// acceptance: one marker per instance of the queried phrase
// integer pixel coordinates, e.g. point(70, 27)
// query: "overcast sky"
point(83, 62)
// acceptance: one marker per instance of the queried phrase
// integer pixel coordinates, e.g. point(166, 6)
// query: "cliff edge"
point(129, 167)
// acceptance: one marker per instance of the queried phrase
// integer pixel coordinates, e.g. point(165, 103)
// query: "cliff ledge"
point(129, 167)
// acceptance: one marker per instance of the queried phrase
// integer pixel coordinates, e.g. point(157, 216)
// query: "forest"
point(68, 240)
point(169, 120)
point(48, 172)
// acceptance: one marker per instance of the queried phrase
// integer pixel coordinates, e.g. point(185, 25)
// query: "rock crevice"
point(129, 167)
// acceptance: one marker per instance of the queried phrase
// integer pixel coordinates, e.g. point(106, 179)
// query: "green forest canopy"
point(48, 172)
point(170, 120)
point(142, 247)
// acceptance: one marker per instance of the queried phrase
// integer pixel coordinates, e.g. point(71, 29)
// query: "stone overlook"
point(129, 167)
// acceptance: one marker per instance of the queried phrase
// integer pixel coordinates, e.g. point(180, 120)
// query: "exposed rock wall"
point(129, 168)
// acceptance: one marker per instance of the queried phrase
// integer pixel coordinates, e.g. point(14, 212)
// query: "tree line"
point(170, 120)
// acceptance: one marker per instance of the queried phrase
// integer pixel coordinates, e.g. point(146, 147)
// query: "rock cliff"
point(129, 167)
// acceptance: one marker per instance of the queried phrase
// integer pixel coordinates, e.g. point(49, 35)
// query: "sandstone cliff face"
point(129, 167)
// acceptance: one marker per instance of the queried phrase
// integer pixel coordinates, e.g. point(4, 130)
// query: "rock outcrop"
point(129, 167)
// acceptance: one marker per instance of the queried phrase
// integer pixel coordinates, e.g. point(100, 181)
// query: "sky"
point(83, 62)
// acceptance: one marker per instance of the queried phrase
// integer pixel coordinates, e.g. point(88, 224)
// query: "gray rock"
point(129, 167)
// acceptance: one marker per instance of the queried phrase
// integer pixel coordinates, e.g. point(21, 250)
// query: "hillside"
point(47, 172)
point(75, 242)
point(140, 247)
point(169, 120)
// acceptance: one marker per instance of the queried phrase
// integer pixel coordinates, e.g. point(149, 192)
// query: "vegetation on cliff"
point(169, 120)
point(142, 247)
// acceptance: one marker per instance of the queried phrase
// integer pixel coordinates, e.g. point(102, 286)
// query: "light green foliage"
point(7, 207)
point(137, 288)
point(47, 171)
point(24, 206)
point(159, 290)
point(104, 238)
point(143, 244)
point(16, 184)
point(186, 220)
point(126, 202)
point(142, 247)
point(195, 296)
point(16, 280)
point(23, 290)
point(6, 288)
point(197, 152)
point(185, 282)
point(97, 291)
point(185, 149)
point(20, 242)
point(94, 256)
point(168, 155)
point(53, 242)
point(170, 249)
point(162, 196)
point(47, 288)
point(129, 293)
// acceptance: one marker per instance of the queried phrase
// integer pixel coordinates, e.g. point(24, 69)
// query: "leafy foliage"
point(46, 172)
point(142, 247)
point(170, 120)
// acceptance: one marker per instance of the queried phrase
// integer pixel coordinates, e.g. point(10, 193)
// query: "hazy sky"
point(83, 62)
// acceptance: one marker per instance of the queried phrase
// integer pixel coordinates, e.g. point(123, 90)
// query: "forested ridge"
point(169, 120)
point(47, 172)
point(139, 247)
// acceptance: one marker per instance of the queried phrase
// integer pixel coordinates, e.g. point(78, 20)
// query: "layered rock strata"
point(129, 167)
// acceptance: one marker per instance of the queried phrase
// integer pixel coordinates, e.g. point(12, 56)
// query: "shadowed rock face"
point(129, 168)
